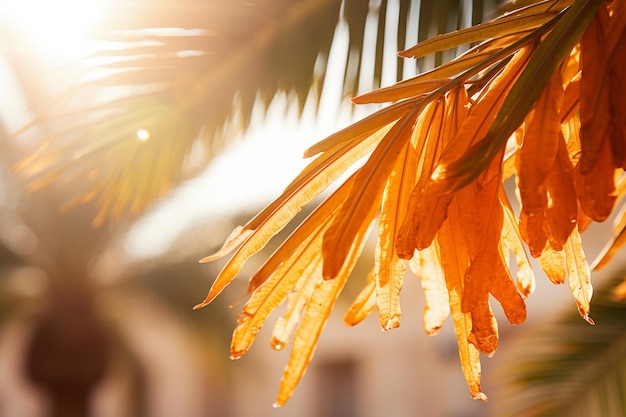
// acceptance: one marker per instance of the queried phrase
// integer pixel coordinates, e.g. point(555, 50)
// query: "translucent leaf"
point(513, 240)
point(476, 126)
point(426, 265)
point(402, 90)
point(617, 93)
point(482, 218)
point(328, 208)
point(568, 27)
point(598, 45)
point(429, 208)
point(315, 317)
point(561, 210)
point(427, 135)
point(365, 195)
point(454, 260)
point(296, 270)
point(503, 289)
point(363, 128)
point(495, 29)
point(596, 188)
point(540, 145)
point(553, 263)
point(531, 230)
point(389, 268)
point(271, 220)
point(578, 273)
point(296, 301)
point(484, 334)
point(440, 78)
point(364, 303)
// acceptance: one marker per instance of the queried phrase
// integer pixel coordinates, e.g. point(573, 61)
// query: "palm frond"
point(461, 135)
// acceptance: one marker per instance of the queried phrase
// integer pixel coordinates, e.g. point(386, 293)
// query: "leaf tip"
point(479, 396)
point(199, 306)
point(392, 322)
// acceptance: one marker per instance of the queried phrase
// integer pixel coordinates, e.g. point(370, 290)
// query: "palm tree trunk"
point(68, 353)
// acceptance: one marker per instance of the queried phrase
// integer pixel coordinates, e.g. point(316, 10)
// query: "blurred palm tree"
point(170, 83)
point(177, 78)
point(571, 369)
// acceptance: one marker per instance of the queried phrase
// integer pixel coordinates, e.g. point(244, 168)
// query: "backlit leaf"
point(484, 334)
point(476, 126)
point(364, 303)
point(427, 150)
point(454, 260)
point(578, 274)
point(309, 226)
point(364, 199)
point(554, 265)
point(540, 145)
point(533, 233)
point(482, 218)
point(314, 318)
point(561, 210)
point(533, 77)
point(426, 265)
point(297, 299)
point(282, 210)
point(495, 29)
point(299, 268)
point(429, 208)
point(503, 289)
point(389, 268)
point(513, 240)
point(511, 105)
point(597, 47)
point(596, 188)
point(617, 90)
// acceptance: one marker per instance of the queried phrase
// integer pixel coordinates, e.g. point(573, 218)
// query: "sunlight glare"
point(143, 135)
point(55, 27)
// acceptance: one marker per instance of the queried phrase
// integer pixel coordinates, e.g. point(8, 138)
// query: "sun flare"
point(57, 28)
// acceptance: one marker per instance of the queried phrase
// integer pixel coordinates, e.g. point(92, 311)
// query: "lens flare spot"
point(142, 134)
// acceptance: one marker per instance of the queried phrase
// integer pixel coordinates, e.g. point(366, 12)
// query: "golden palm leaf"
point(533, 99)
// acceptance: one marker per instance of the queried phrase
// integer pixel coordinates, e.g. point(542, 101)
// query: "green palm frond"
point(568, 368)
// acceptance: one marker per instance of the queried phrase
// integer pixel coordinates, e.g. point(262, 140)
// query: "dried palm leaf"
point(435, 174)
